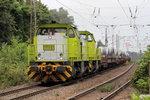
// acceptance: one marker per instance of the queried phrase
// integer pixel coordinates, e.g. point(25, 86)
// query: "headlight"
point(61, 58)
point(38, 58)
point(50, 37)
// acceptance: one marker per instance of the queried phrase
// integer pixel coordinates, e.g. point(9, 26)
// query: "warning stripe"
point(42, 75)
point(90, 65)
point(69, 67)
point(35, 75)
point(67, 74)
point(29, 72)
point(37, 78)
point(45, 78)
point(32, 73)
point(53, 78)
point(69, 71)
point(61, 77)
point(55, 75)
point(29, 68)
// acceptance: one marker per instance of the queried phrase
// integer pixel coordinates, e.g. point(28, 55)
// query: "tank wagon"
point(59, 52)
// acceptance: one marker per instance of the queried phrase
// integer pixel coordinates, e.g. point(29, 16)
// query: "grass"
point(107, 87)
point(57, 94)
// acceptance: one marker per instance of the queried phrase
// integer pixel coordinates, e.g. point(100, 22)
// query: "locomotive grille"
point(48, 47)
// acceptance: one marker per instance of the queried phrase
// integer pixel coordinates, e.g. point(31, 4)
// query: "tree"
point(63, 16)
point(100, 44)
point(15, 18)
point(7, 22)
point(21, 13)
point(45, 16)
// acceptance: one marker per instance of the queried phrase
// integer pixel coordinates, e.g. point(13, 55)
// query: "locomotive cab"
point(88, 37)
point(93, 53)
point(55, 42)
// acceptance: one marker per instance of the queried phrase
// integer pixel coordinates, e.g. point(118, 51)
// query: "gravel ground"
point(125, 94)
point(67, 91)
point(97, 95)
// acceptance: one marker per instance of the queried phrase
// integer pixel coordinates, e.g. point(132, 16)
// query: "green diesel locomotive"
point(60, 52)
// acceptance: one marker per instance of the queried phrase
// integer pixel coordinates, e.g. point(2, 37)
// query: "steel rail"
point(114, 93)
point(18, 90)
point(83, 93)
point(50, 88)
point(36, 92)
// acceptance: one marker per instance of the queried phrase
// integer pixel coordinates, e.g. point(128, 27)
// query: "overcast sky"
point(88, 13)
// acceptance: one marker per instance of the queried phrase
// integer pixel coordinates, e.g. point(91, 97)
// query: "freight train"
point(60, 52)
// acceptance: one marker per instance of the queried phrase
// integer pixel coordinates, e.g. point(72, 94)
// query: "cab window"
point(89, 38)
point(51, 31)
point(83, 36)
point(71, 34)
point(77, 32)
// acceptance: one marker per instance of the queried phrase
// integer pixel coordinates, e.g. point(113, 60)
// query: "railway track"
point(49, 88)
point(36, 92)
point(88, 91)
point(45, 89)
point(114, 93)
point(56, 86)
point(18, 90)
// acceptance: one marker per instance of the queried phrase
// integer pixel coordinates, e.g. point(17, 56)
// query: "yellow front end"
point(51, 72)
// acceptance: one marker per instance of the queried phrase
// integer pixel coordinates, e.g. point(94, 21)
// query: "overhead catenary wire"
point(76, 13)
point(88, 5)
point(144, 5)
point(139, 7)
point(95, 13)
point(124, 11)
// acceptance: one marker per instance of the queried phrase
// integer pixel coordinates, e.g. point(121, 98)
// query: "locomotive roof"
point(84, 32)
point(54, 25)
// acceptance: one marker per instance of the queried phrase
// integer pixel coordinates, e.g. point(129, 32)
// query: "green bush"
point(140, 77)
point(142, 85)
point(13, 63)
point(137, 97)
